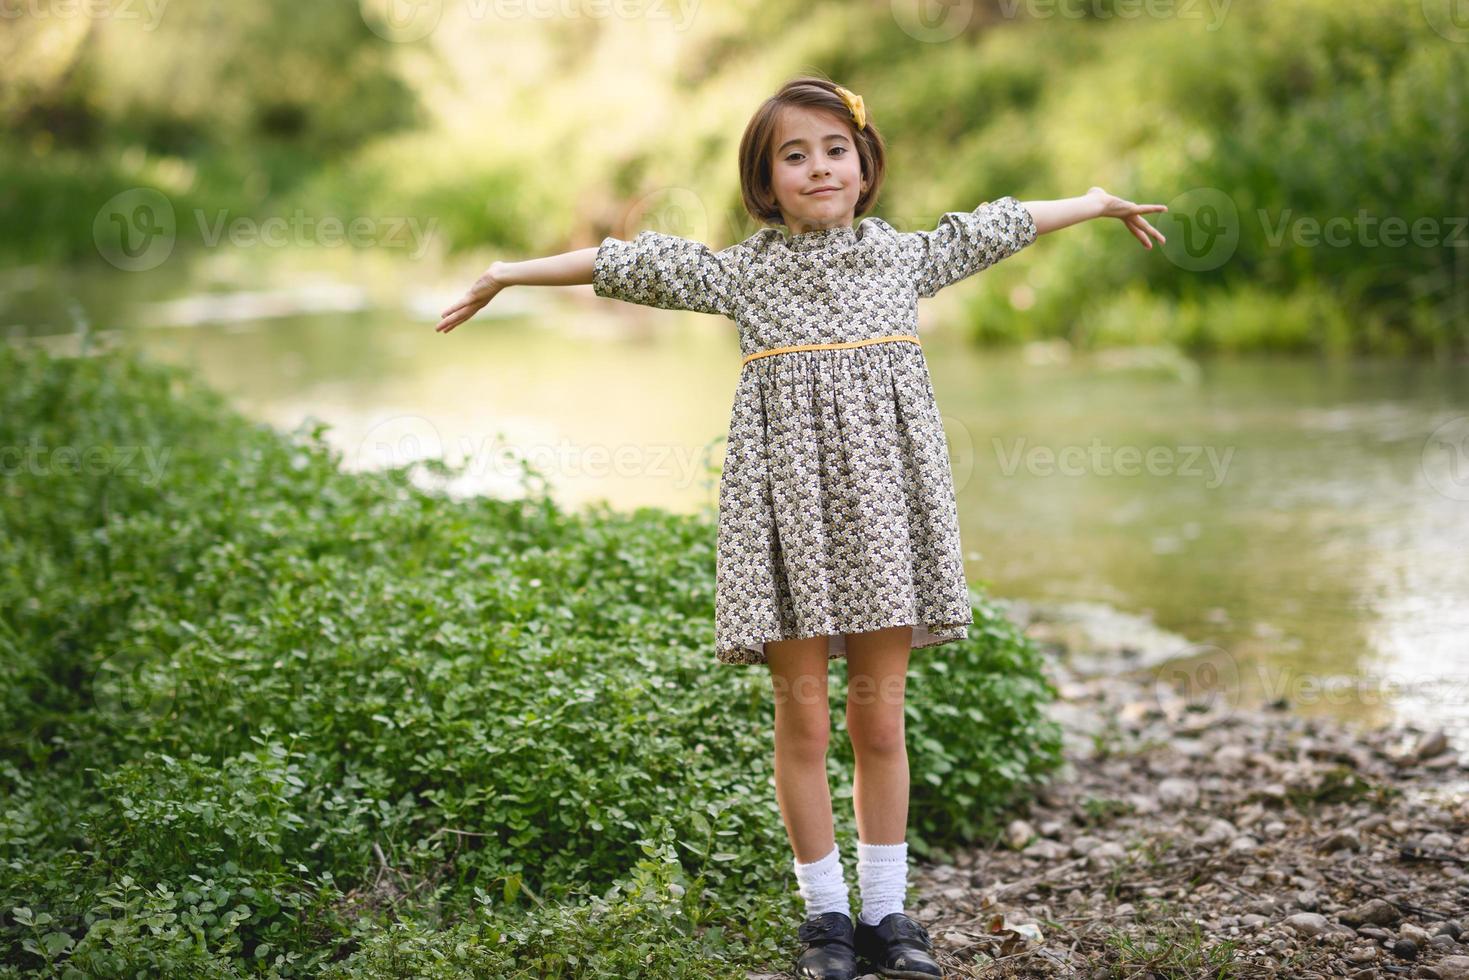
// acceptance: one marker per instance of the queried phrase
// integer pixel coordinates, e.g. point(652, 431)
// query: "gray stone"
point(1453, 967)
point(1307, 923)
point(1177, 791)
point(1018, 834)
point(1244, 845)
point(1373, 912)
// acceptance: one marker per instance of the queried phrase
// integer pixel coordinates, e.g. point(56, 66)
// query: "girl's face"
point(814, 149)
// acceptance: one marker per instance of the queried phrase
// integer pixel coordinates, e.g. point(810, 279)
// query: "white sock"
point(822, 885)
point(882, 876)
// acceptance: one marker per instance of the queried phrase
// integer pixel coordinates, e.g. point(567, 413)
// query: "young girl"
point(838, 531)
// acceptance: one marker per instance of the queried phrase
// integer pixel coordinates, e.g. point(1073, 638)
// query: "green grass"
point(1170, 949)
point(263, 717)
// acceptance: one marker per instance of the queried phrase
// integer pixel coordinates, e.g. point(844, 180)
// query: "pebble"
point(1177, 792)
point(1045, 849)
point(1244, 845)
point(1372, 912)
point(1081, 845)
point(1453, 968)
point(1018, 834)
point(1344, 839)
point(1308, 923)
point(1105, 855)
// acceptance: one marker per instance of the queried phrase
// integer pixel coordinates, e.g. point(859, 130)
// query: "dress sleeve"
point(666, 271)
point(966, 242)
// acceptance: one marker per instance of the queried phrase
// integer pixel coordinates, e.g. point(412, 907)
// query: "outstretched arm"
point(1095, 203)
point(567, 269)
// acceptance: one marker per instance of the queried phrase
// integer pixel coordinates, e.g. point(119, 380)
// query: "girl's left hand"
point(1131, 214)
point(475, 299)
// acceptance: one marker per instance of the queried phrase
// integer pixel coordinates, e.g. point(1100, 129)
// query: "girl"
point(838, 531)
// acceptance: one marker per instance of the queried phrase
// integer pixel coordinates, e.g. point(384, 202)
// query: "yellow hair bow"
point(854, 103)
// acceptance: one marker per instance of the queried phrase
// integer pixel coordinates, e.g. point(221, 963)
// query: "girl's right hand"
point(478, 296)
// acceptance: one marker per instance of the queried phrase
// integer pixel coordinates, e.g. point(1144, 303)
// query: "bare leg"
point(877, 668)
point(802, 731)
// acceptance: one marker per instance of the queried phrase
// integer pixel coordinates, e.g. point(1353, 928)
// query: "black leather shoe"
point(897, 947)
point(829, 952)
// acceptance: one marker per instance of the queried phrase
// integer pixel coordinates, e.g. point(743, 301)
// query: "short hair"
point(755, 157)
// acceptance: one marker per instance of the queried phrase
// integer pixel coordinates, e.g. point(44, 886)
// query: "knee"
point(805, 736)
point(877, 738)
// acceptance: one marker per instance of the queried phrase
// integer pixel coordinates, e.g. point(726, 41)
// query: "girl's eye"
point(834, 149)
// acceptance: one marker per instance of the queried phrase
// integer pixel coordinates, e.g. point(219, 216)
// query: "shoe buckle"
point(813, 929)
point(909, 929)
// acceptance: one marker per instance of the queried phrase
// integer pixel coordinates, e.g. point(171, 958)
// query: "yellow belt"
point(849, 343)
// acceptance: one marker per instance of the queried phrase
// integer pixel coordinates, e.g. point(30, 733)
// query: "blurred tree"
point(204, 75)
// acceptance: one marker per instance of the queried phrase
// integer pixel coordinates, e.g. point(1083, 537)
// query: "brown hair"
point(814, 93)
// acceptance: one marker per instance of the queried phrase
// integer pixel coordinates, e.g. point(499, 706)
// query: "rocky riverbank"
point(1198, 837)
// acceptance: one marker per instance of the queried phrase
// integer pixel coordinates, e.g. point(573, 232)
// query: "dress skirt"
point(837, 510)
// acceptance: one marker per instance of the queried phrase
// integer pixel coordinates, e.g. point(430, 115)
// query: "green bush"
point(264, 716)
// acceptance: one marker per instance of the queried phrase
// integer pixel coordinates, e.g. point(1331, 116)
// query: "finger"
point(1151, 230)
point(464, 313)
point(1138, 234)
point(464, 301)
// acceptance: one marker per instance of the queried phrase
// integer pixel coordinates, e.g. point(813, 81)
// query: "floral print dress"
point(836, 501)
